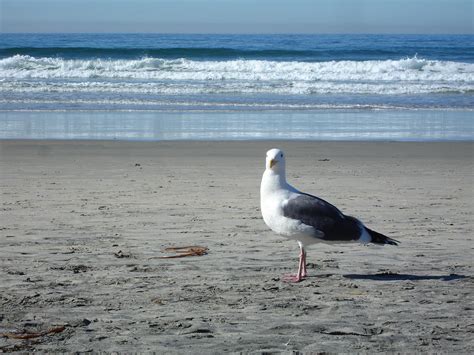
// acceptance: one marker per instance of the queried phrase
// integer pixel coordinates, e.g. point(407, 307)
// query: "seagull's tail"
point(378, 238)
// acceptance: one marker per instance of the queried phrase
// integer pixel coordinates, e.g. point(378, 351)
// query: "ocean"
point(158, 76)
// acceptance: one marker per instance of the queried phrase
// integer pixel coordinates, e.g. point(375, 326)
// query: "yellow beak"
point(272, 162)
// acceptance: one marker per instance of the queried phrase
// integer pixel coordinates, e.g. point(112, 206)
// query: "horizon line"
point(253, 33)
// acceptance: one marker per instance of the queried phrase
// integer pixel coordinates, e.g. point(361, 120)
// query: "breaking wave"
point(175, 76)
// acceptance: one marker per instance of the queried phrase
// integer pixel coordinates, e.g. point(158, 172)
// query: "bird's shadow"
point(390, 276)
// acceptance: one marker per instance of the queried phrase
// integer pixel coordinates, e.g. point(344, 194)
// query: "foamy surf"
point(138, 72)
point(183, 76)
point(25, 66)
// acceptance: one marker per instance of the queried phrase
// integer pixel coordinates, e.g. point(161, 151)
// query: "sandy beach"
point(83, 225)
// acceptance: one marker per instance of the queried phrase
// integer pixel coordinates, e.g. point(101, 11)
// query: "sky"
point(238, 16)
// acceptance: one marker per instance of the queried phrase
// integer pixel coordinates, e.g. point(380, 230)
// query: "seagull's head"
point(275, 160)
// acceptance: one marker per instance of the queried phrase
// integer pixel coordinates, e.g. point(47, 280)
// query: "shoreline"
point(324, 125)
point(84, 224)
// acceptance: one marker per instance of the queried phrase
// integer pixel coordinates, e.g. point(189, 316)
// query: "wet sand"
point(83, 225)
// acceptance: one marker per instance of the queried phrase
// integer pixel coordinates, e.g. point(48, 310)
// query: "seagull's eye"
point(281, 155)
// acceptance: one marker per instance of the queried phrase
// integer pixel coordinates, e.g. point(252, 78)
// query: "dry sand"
point(83, 225)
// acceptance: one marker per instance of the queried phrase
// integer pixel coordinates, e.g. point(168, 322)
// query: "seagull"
point(306, 218)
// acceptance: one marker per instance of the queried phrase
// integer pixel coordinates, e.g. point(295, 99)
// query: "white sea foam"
point(233, 87)
point(410, 69)
point(190, 104)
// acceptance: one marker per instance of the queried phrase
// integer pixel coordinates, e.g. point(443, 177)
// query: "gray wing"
point(322, 216)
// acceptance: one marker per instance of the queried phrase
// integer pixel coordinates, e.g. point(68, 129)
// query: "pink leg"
point(305, 272)
point(301, 269)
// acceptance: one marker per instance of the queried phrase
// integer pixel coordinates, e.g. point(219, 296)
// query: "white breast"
point(272, 212)
point(273, 197)
point(274, 193)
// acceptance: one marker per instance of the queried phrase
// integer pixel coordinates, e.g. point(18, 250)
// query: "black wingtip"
point(378, 238)
point(391, 241)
